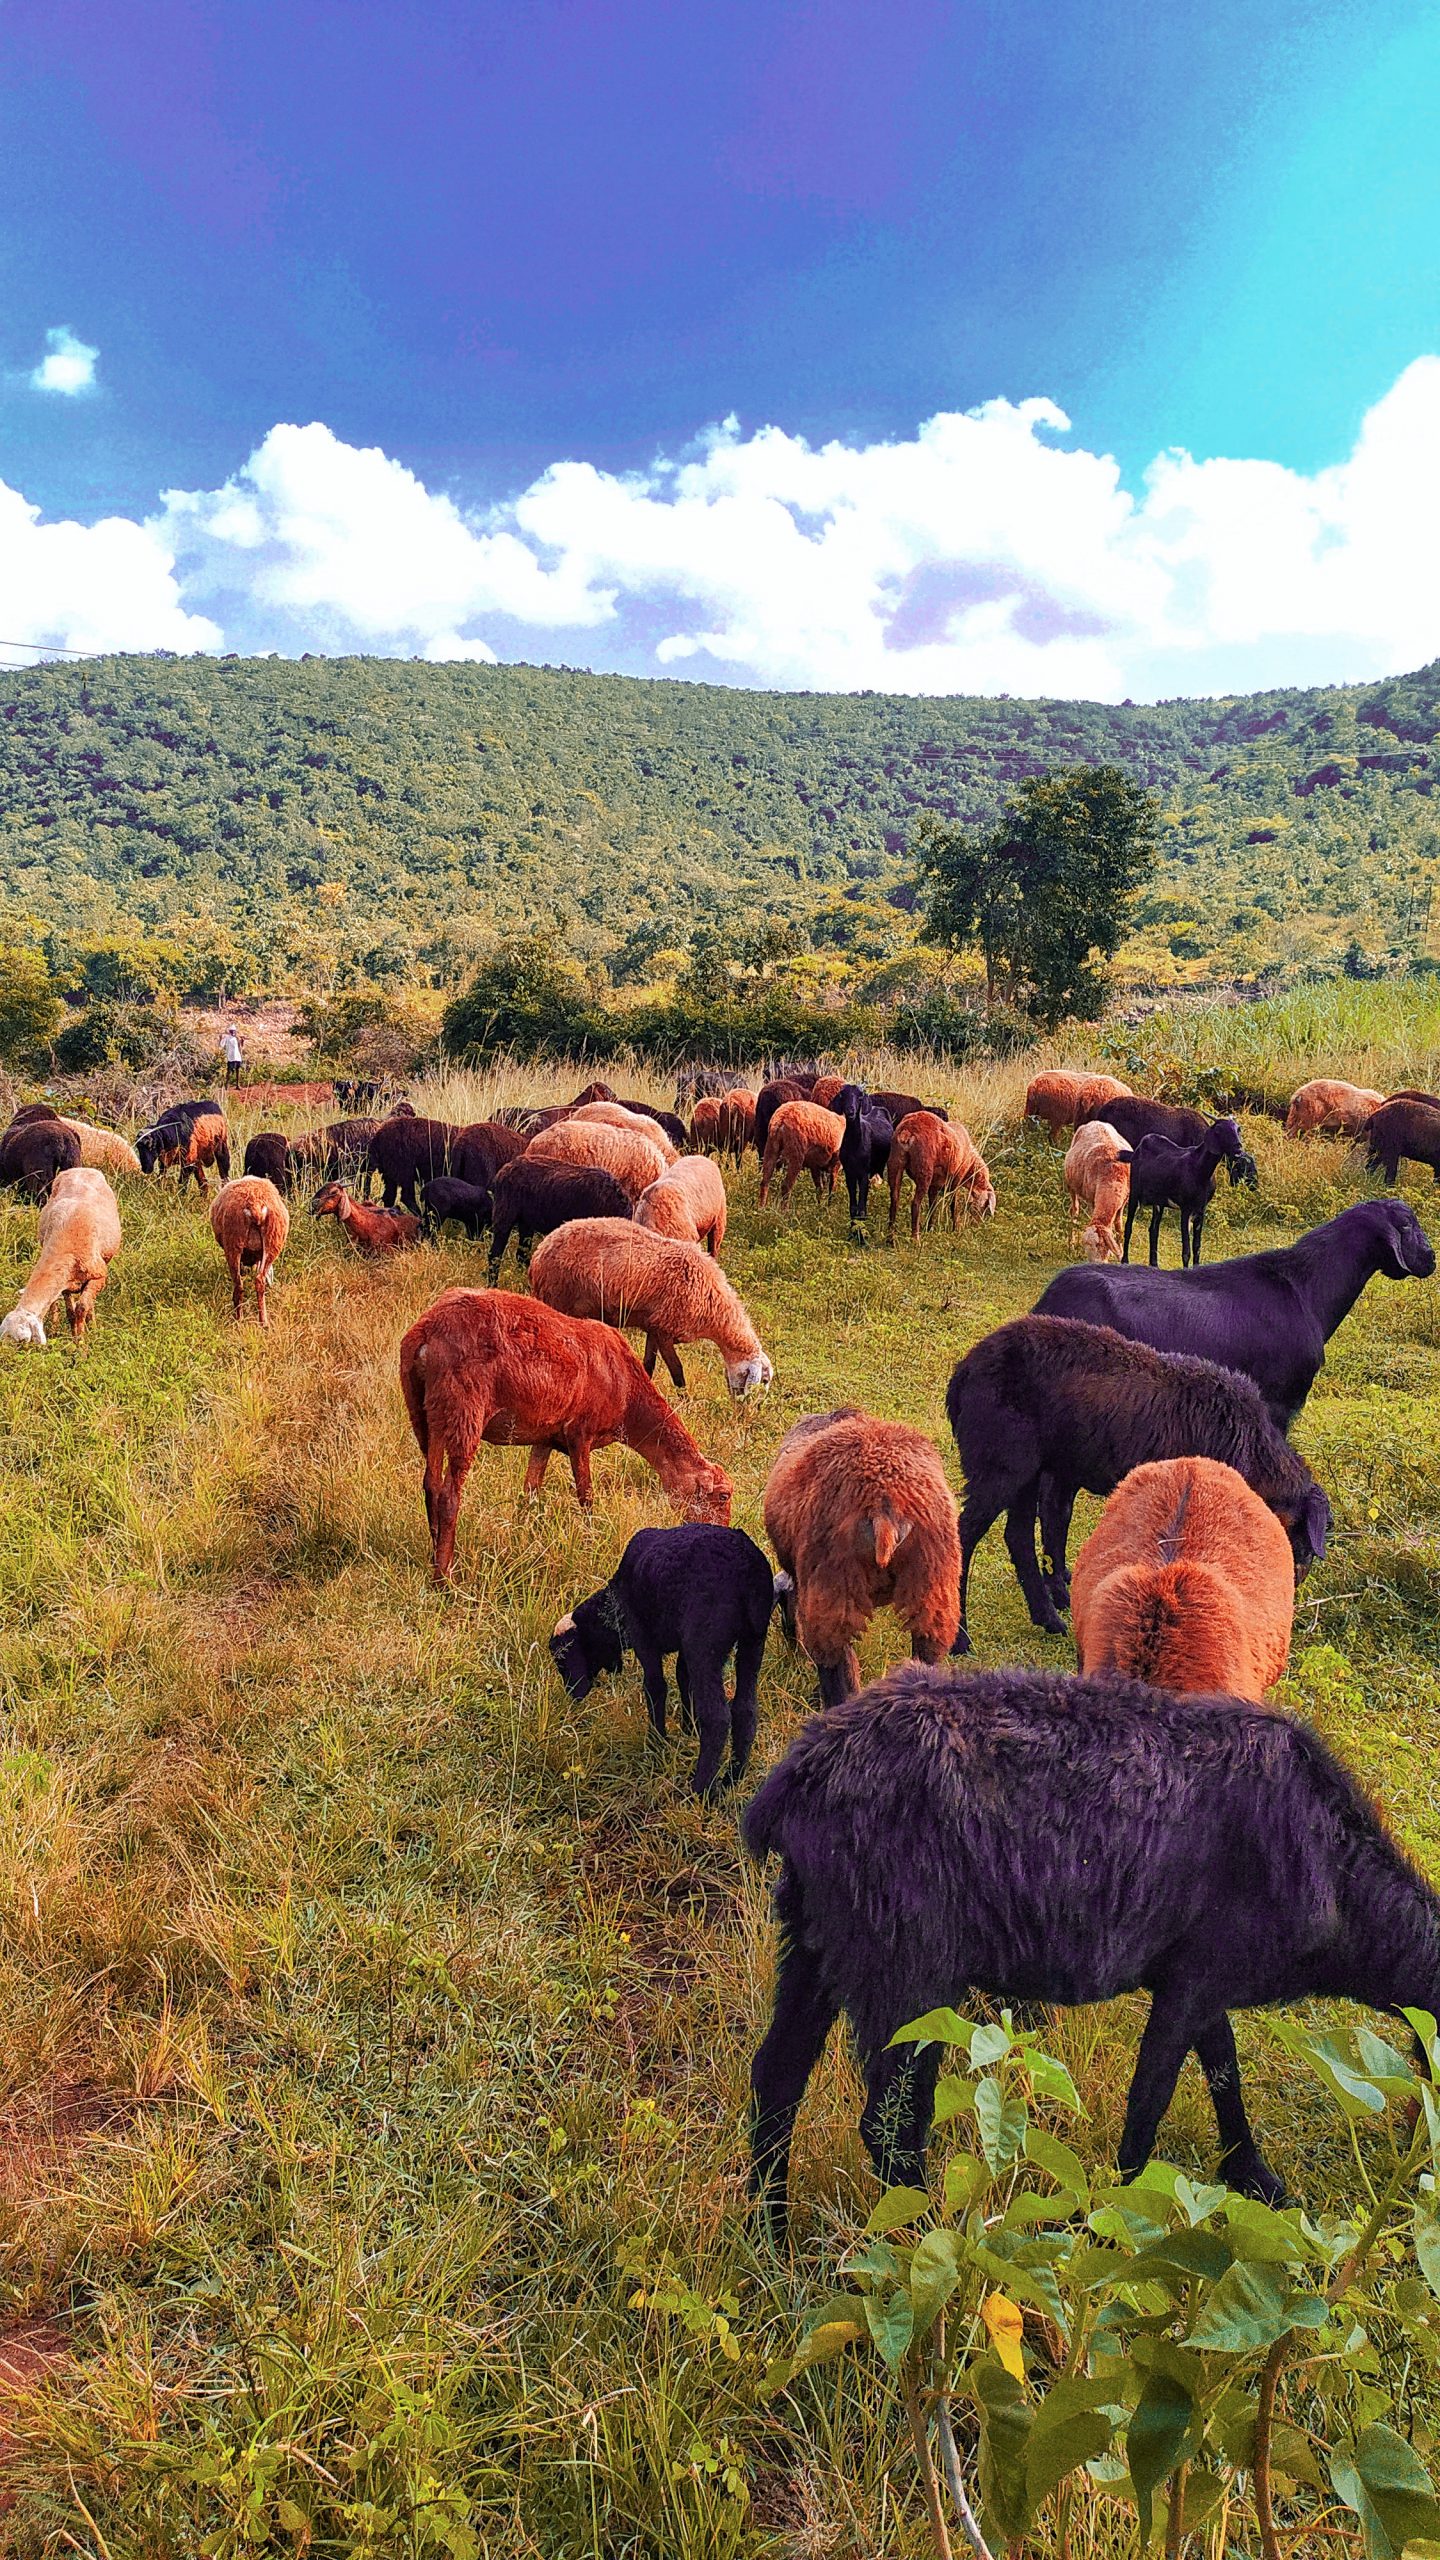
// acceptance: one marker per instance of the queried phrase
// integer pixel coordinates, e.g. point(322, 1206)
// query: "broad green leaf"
point(1001, 2122)
point(1196, 2203)
point(989, 2044)
point(1425, 2028)
point(1005, 2322)
point(965, 2179)
point(1250, 2308)
point(1382, 2479)
point(874, 2258)
point(830, 2338)
point(891, 2323)
point(1203, 2493)
point(1058, 2162)
point(954, 2096)
point(1185, 2254)
point(1058, 2445)
point(1050, 2080)
point(935, 2270)
point(1293, 2456)
point(1381, 2059)
point(938, 2026)
point(1270, 2235)
point(897, 2206)
point(1157, 2438)
point(1004, 2445)
point(1426, 2233)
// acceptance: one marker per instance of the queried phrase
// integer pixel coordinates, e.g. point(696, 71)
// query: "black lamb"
point(1032, 1837)
point(700, 1593)
point(34, 1152)
point(467, 1202)
point(1166, 1176)
point(268, 1155)
point(1046, 1407)
point(864, 1149)
point(533, 1198)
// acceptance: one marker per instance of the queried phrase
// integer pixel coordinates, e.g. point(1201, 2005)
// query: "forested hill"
point(399, 814)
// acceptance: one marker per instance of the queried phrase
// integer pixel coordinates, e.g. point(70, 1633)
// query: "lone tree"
point(1047, 892)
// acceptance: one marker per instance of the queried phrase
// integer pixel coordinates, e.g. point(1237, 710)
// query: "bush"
point(29, 1005)
point(367, 1031)
point(114, 1035)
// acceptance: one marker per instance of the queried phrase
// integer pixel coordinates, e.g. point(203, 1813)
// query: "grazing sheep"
point(705, 1124)
point(406, 1151)
point(1164, 1176)
point(267, 1156)
point(103, 1150)
point(1270, 1314)
point(802, 1138)
point(1136, 1119)
point(942, 1162)
point(192, 1138)
point(1061, 1100)
point(825, 1091)
point(861, 1518)
point(1029, 1837)
point(618, 1115)
point(1330, 1107)
point(478, 1151)
point(700, 1593)
point(635, 1162)
point(532, 1122)
point(34, 1152)
point(1414, 1093)
point(1187, 1583)
point(1403, 1131)
point(1044, 1407)
point(669, 1122)
point(864, 1150)
point(898, 1106)
point(780, 1089)
point(687, 1203)
point(78, 1239)
point(483, 1364)
point(737, 1123)
point(250, 1223)
point(1097, 1176)
point(347, 1153)
point(625, 1275)
point(371, 1231)
point(466, 1202)
point(533, 1199)
point(33, 1111)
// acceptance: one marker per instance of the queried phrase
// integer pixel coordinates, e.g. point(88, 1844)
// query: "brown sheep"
point(485, 1365)
point(371, 1231)
point(1188, 1582)
point(615, 1115)
point(705, 1124)
point(688, 1203)
point(1059, 1098)
point(79, 1237)
point(250, 1223)
point(861, 1517)
point(737, 1122)
point(624, 1274)
point(943, 1162)
point(1335, 1109)
point(634, 1161)
point(826, 1091)
point(802, 1138)
point(1096, 1179)
point(192, 1142)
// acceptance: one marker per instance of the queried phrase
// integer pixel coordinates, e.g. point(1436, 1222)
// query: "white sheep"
point(79, 1237)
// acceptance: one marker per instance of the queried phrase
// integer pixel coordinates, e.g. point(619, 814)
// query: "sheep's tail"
point(764, 1821)
point(412, 1388)
point(886, 1535)
point(1172, 1627)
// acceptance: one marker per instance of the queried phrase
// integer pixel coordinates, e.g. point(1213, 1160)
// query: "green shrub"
point(114, 1035)
point(29, 1005)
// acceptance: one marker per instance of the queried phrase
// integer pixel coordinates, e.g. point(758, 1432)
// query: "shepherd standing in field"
point(233, 1055)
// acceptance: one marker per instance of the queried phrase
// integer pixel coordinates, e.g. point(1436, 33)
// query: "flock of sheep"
point(1144, 1823)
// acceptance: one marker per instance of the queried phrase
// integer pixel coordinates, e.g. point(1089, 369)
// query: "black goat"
point(700, 1593)
point(1029, 1837)
point(345, 1159)
point(532, 1198)
point(1269, 1315)
point(445, 1198)
point(1044, 1408)
point(864, 1149)
point(1166, 1176)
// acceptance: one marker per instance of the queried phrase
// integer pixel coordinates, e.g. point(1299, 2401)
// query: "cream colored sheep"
point(635, 1162)
point(103, 1148)
point(625, 1275)
point(250, 1223)
point(1327, 1104)
point(1097, 1180)
point(1187, 1582)
point(613, 1115)
point(687, 1203)
point(79, 1237)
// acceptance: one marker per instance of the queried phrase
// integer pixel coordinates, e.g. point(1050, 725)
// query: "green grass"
point(377, 2023)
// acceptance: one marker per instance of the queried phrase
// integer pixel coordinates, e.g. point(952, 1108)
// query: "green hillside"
point(394, 816)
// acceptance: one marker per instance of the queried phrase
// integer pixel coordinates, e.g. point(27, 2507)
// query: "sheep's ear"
point(1315, 1512)
point(563, 1626)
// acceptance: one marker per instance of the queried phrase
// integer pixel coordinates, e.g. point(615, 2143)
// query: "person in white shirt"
point(233, 1055)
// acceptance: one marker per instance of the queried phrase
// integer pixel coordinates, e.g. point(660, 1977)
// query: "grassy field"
point(376, 2023)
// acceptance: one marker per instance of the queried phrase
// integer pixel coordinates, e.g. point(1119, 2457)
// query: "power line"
point(52, 649)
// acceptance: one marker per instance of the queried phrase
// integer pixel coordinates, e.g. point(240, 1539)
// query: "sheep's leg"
point(1197, 1229)
point(975, 1519)
point(919, 1200)
point(1242, 2163)
point(1166, 2041)
point(744, 1707)
point(442, 1499)
point(540, 1457)
point(899, 2105)
point(1156, 1216)
point(661, 1342)
point(839, 1679)
point(682, 1684)
point(1131, 1207)
point(1057, 1506)
point(712, 1720)
point(803, 2016)
point(1020, 1526)
point(652, 1673)
point(580, 1470)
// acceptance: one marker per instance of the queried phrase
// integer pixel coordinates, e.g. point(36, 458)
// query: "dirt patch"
point(30, 2351)
point(43, 2127)
point(269, 1032)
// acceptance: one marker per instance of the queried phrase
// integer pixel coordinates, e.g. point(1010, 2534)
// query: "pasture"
point(376, 2023)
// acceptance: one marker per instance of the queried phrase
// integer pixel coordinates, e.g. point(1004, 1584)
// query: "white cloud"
point(989, 553)
point(110, 585)
point(67, 366)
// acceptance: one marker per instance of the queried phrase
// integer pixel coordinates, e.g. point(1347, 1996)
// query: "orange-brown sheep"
point(943, 1163)
point(1326, 1104)
point(250, 1223)
point(688, 1203)
point(861, 1518)
point(1096, 1179)
point(1060, 1098)
point(737, 1122)
point(485, 1365)
point(371, 1231)
point(802, 1138)
point(623, 1274)
point(635, 1161)
point(1188, 1582)
point(705, 1124)
point(826, 1090)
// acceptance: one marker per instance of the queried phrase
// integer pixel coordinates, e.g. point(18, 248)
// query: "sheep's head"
point(156, 1147)
point(581, 1652)
point(982, 1197)
point(23, 1327)
point(330, 1200)
point(706, 1494)
point(745, 1374)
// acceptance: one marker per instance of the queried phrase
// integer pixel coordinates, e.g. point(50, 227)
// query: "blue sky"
point(518, 265)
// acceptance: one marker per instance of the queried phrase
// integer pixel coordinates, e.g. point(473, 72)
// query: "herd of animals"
point(1143, 1823)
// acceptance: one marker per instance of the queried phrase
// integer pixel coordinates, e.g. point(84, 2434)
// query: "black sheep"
point(1403, 1130)
point(897, 1106)
point(33, 1152)
point(346, 1155)
point(767, 1103)
point(864, 1149)
point(268, 1155)
point(1044, 1408)
point(1166, 1176)
point(1030, 1837)
point(700, 1593)
point(479, 1149)
point(1136, 1118)
point(446, 1198)
point(533, 1198)
point(406, 1151)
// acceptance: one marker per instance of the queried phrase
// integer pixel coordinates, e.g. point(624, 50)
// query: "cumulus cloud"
point(989, 552)
point(110, 585)
point(67, 366)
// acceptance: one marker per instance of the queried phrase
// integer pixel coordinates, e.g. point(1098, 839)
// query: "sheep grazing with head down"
point(79, 1237)
point(250, 1223)
point(1328, 1107)
point(406, 1151)
point(1187, 1583)
point(1097, 1177)
point(618, 1115)
point(861, 1518)
point(532, 1199)
point(705, 1125)
point(802, 1138)
point(737, 1123)
point(688, 1203)
point(192, 1137)
point(626, 1275)
point(1029, 1837)
point(701, 1593)
point(485, 1365)
point(1060, 1099)
point(33, 1153)
point(1403, 1130)
point(633, 1161)
point(103, 1150)
point(777, 1091)
point(480, 1148)
point(943, 1164)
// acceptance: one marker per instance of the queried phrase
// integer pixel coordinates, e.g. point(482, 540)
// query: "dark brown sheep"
point(479, 1150)
point(33, 1152)
point(407, 1152)
point(1403, 1132)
